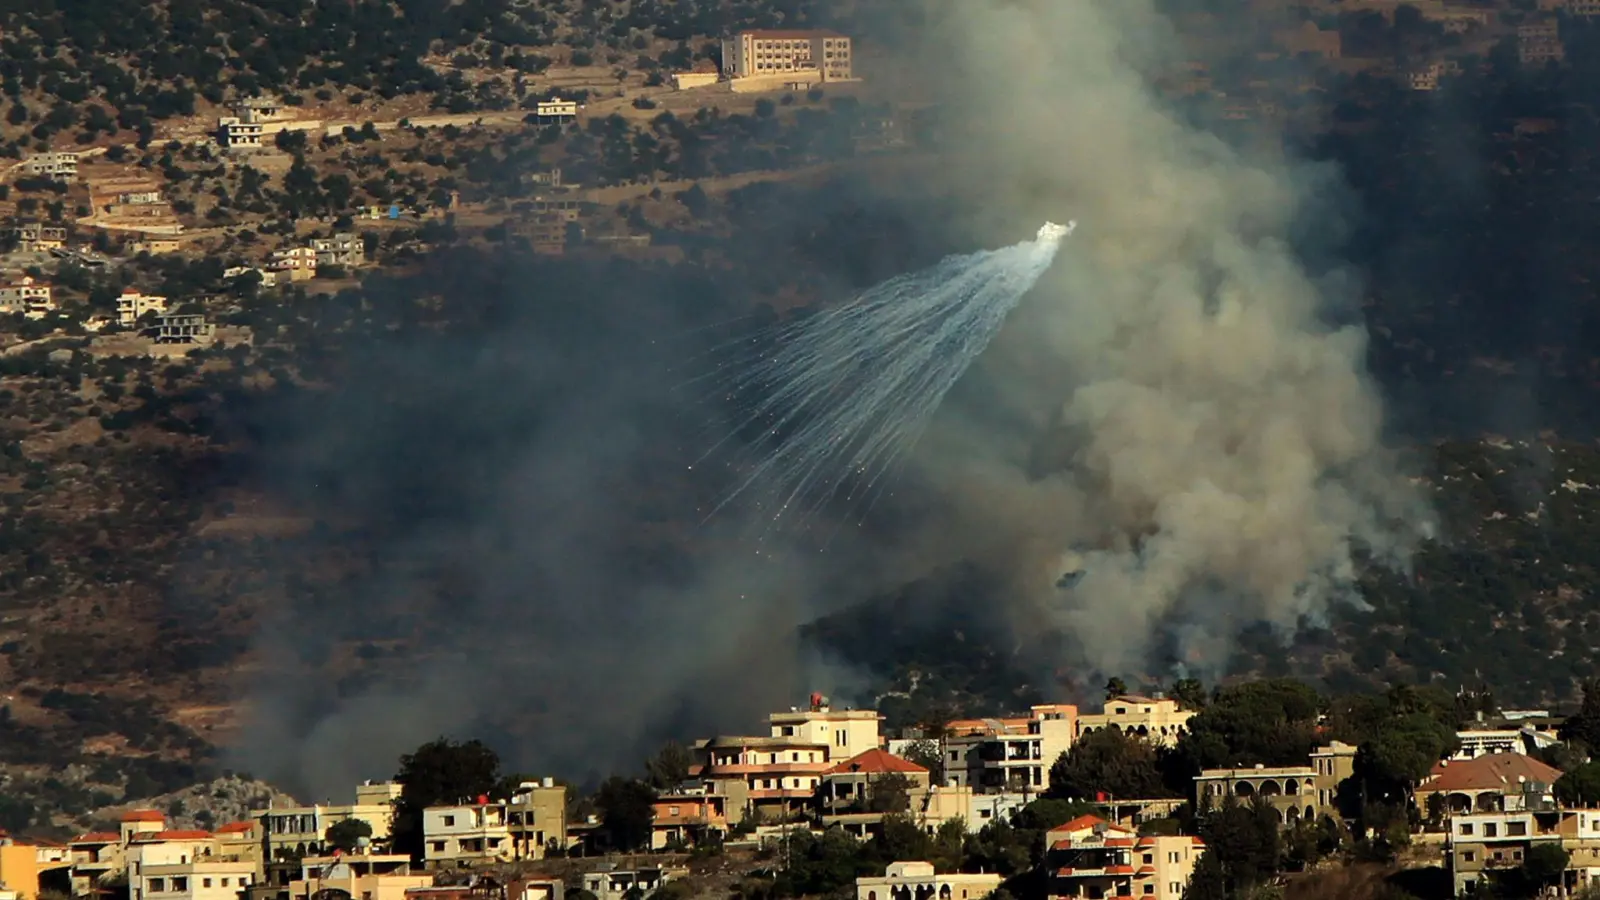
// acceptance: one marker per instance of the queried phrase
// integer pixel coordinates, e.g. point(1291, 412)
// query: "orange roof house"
point(877, 762)
point(1488, 783)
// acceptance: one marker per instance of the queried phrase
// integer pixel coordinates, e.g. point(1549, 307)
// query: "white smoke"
point(1215, 448)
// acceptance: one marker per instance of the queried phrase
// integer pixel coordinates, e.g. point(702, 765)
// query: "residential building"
point(918, 881)
point(763, 777)
point(846, 796)
point(202, 879)
point(774, 59)
point(1539, 43)
point(261, 109)
point(1477, 844)
point(235, 132)
point(1015, 754)
point(686, 817)
point(1159, 719)
point(1292, 791)
point(465, 833)
point(1490, 783)
point(33, 237)
point(1425, 77)
point(1089, 857)
point(173, 328)
point(26, 296)
point(132, 304)
point(156, 246)
point(62, 166)
point(302, 830)
point(299, 262)
point(536, 817)
point(1482, 742)
point(555, 111)
point(19, 867)
point(1334, 763)
point(846, 733)
point(369, 876)
point(96, 857)
point(343, 249)
point(617, 884)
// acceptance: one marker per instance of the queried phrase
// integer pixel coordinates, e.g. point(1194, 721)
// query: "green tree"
point(346, 835)
point(1122, 765)
point(1244, 840)
point(1584, 727)
point(1401, 755)
point(1208, 881)
point(1544, 864)
point(1580, 786)
point(889, 793)
point(440, 771)
point(926, 753)
point(1115, 687)
point(626, 812)
point(1189, 693)
point(669, 767)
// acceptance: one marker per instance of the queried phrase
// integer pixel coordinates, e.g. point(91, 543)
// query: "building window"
point(1490, 829)
point(1149, 889)
point(1149, 859)
point(205, 882)
point(158, 885)
point(180, 884)
point(1174, 887)
point(438, 846)
point(1466, 828)
point(1468, 856)
point(841, 737)
point(1172, 857)
point(449, 821)
point(1517, 829)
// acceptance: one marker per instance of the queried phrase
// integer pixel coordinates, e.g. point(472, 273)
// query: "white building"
point(1009, 755)
point(465, 833)
point(62, 166)
point(27, 296)
point(845, 732)
point(1481, 742)
point(233, 131)
point(132, 304)
point(344, 249)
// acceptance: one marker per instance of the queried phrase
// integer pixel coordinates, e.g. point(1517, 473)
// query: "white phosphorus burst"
point(844, 393)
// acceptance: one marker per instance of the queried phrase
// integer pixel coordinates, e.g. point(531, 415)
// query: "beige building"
point(369, 876)
point(302, 830)
point(300, 263)
point(1090, 857)
point(1480, 844)
point(26, 296)
point(772, 60)
point(1015, 754)
point(132, 304)
point(239, 132)
point(1292, 791)
point(1333, 763)
point(1491, 783)
point(845, 733)
point(197, 879)
point(845, 797)
point(1160, 719)
point(344, 249)
point(35, 237)
point(61, 166)
point(772, 778)
point(919, 881)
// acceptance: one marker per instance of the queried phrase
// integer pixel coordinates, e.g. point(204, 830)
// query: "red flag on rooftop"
point(1101, 796)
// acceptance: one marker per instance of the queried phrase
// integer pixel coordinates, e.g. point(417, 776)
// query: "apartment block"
point(61, 166)
point(369, 876)
point(846, 795)
point(132, 304)
point(763, 777)
point(1089, 857)
point(343, 249)
point(299, 263)
point(778, 59)
point(1159, 719)
point(845, 732)
point(1014, 754)
point(686, 817)
point(26, 296)
point(1291, 791)
point(302, 830)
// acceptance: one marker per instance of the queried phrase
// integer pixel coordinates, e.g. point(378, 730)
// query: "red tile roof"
point(236, 828)
point(1494, 771)
point(144, 815)
point(97, 837)
point(1080, 823)
point(876, 762)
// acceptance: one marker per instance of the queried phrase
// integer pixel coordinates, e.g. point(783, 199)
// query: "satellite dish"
point(363, 842)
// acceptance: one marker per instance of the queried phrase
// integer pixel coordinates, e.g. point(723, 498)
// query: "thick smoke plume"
point(1213, 449)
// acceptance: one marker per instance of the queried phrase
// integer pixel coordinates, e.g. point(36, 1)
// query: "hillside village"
point(1492, 815)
